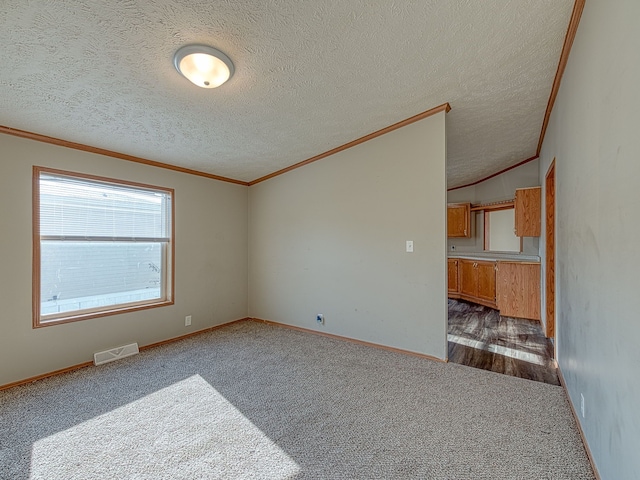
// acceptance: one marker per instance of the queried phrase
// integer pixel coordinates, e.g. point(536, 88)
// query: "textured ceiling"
point(310, 76)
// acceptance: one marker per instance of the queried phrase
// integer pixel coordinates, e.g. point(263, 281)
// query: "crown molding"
point(110, 153)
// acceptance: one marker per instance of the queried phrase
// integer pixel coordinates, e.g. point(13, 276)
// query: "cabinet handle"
point(465, 232)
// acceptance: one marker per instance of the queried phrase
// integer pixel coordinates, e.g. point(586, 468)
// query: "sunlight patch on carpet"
point(186, 430)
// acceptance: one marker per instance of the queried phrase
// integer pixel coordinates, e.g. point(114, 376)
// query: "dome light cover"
point(203, 66)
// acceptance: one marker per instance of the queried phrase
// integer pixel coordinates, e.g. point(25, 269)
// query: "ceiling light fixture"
point(203, 66)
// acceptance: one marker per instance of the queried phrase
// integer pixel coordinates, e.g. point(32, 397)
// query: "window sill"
point(44, 322)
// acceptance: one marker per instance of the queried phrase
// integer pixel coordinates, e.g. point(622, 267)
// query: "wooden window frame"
point(169, 290)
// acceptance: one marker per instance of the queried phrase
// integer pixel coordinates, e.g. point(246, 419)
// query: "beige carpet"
point(259, 401)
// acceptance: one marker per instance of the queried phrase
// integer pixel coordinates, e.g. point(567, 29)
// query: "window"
point(500, 231)
point(101, 246)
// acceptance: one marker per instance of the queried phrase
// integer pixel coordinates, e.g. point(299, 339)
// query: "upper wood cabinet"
point(528, 211)
point(458, 220)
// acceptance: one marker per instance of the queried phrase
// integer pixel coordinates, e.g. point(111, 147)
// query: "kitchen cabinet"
point(459, 220)
point(528, 211)
point(468, 277)
point(486, 272)
point(452, 276)
point(510, 286)
point(477, 280)
point(518, 289)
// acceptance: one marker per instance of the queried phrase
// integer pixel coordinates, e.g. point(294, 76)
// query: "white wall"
point(210, 262)
point(496, 189)
point(594, 136)
point(330, 238)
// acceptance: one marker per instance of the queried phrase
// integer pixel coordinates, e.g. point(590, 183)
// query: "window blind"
point(80, 209)
point(102, 244)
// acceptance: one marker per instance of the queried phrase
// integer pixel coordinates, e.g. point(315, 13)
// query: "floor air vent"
point(115, 354)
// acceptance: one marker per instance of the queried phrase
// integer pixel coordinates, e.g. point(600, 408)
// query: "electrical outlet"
point(453, 247)
point(320, 319)
point(582, 405)
point(187, 320)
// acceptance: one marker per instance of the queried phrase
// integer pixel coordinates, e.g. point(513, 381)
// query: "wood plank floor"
point(479, 337)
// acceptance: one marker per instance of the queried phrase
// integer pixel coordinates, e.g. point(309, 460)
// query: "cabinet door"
point(458, 220)
point(518, 289)
point(468, 277)
point(486, 281)
point(452, 275)
point(528, 211)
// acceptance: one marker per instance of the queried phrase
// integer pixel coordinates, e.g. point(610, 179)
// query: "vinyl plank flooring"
point(479, 337)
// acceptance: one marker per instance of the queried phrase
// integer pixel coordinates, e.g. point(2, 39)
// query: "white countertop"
point(509, 256)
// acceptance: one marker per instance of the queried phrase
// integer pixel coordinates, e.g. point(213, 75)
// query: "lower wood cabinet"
point(519, 289)
point(487, 281)
point(511, 287)
point(477, 281)
point(453, 285)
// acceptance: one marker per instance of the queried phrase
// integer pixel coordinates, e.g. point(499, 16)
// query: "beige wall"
point(593, 134)
point(330, 238)
point(211, 262)
point(500, 187)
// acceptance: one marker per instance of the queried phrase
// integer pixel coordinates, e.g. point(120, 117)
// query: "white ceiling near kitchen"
point(310, 76)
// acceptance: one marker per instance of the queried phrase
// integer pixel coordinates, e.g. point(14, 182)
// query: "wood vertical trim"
point(445, 107)
point(585, 444)
point(486, 242)
point(572, 29)
point(35, 247)
point(110, 153)
point(172, 298)
point(550, 250)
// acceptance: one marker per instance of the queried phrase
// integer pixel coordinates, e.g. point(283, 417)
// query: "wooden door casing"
point(550, 249)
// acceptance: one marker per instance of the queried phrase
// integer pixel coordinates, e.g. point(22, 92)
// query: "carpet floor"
point(260, 401)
